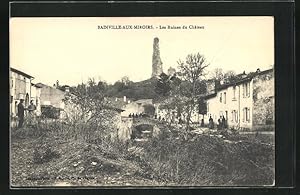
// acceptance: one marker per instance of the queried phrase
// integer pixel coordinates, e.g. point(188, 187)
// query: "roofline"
point(265, 71)
point(114, 108)
point(20, 72)
point(35, 85)
point(210, 96)
point(246, 79)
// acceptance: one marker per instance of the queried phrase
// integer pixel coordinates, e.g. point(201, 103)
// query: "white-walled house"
point(246, 103)
point(136, 107)
point(21, 87)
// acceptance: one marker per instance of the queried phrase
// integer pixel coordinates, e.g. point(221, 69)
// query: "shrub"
point(44, 155)
point(208, 160)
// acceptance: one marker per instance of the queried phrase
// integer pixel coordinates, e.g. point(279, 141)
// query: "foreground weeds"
point(210, 160)
point(58, 151)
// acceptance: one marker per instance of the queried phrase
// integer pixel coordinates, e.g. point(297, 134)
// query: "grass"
point(58, 152)
point(209, 160)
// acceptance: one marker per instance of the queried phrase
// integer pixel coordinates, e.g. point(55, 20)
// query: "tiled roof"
point(238, 79)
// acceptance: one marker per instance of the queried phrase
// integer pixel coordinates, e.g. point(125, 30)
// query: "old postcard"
point(142, 101)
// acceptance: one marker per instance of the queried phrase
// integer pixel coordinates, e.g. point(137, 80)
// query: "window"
point(246, 90)
point(234, 117)
point(234, 93)
point(16, 107)
point(224, 97)
point(221, 97)
point(246, 114)
point(207, 106)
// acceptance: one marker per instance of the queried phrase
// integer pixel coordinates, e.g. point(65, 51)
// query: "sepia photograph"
point(142, 101)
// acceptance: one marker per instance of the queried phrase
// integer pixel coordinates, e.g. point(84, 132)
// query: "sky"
point(71, 50)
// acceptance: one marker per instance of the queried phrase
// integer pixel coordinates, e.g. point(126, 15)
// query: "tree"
point(126, 81)
point(174, 103)
point(202, 106)
point(102, 86)
point(87, 105)
point(230, 76)
point(191, 72)
point(217, 74)
point(119, 86)
point(163, 85)
point(149, 109)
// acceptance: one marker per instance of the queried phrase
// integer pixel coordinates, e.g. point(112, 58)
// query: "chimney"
point(258, 70)
point(67, 89)
point(244, 75)
point(124, 98)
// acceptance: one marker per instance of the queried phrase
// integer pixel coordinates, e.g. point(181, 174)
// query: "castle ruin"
point(156, 61)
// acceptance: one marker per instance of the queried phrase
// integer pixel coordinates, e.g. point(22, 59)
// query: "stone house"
point(21, 87)
point(52, 98)
point(246, 103)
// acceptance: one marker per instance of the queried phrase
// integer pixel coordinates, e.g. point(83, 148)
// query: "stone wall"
point(125, 129)
point(52, 96)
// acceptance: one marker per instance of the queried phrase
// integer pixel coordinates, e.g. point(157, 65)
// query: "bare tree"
point(89, 110)
point(217, 74)
point(125, 80)
point(191, 72)
point(229, 75)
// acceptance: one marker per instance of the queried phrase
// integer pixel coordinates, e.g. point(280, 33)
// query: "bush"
point(50, 112)
point(209, 161)
point(44, 155)
point(259, 128)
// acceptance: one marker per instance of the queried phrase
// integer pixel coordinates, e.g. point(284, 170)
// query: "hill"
point(134, 90)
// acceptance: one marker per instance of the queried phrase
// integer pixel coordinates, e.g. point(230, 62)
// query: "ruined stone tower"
point(156, 61)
